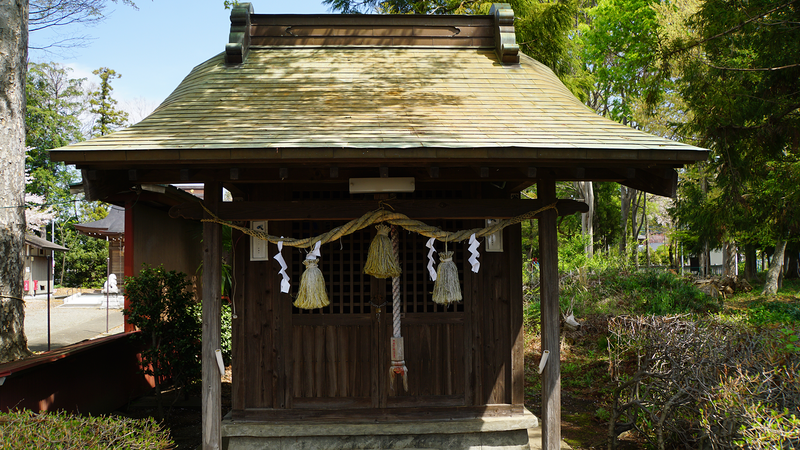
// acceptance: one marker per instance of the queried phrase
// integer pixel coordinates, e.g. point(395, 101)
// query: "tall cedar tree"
point(13, 58)
point(109, 118)
point(744, 89)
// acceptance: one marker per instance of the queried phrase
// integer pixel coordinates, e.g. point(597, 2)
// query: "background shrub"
point(164, 308)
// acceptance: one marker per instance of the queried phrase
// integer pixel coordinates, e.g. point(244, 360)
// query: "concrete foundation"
point(495, 433)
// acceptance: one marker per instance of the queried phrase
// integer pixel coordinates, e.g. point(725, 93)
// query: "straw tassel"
point(446, 290)
point(312, 284)
point(381, 262)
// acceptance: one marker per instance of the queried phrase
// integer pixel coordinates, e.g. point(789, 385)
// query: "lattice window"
point(342, 264)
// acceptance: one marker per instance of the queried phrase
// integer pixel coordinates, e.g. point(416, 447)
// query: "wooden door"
point(340, 354)
point(333, 348)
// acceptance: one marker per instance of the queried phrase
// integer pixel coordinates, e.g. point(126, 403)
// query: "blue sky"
point(156, 46)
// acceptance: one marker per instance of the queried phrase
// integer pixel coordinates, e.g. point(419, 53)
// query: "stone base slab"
point(495, 433)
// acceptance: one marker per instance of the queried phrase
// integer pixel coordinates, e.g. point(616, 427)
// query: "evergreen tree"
point(741, 78)
point(109, 118)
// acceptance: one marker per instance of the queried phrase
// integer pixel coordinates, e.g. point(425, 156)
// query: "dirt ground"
point(183, 417)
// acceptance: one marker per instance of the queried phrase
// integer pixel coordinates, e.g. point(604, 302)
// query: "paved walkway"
point(68, 324)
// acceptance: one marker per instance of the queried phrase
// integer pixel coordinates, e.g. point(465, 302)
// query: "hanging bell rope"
point(398, 366)
point(379, 216)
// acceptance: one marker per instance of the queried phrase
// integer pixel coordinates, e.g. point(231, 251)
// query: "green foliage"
point(607, 284)
point(404, 6)
point(607, 215)
point(620, 52)
point(53, 104)
point(165, 310)
point(774, 312)
point(740, 77)
point(85, 264)
point(226, 332)
point(109, 118)
point(25, 429)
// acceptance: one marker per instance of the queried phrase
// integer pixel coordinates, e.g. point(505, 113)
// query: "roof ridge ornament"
point(504, 35)
point(239, 38)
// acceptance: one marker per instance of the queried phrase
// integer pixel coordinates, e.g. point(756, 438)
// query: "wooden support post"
point(130, 269)
point(551, 320)
point(212, 260)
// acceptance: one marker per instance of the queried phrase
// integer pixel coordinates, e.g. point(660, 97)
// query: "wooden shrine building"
point(310, 121)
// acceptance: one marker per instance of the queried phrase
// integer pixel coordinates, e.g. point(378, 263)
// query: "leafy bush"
point(26, 430)
point(609, 284)
point(164, 308)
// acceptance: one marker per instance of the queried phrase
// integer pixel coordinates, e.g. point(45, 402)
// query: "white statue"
point(110, 286)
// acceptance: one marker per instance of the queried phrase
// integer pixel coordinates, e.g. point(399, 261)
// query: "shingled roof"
point(375, 89)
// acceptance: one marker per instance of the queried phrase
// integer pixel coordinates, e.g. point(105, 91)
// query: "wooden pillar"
point(551, 320)
point(212, 260)
point(129, 269)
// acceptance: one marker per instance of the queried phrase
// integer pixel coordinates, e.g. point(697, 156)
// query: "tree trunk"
point(705, 264)
point(750, 266)
point(586, 190)
point(636, 226)
point(775, 269)
point(626, 197)
point(729, 259)
point(792, 263)
point(13, 60)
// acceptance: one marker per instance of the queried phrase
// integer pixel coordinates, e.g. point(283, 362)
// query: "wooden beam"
point(212, 260)
point(348, 210)
point(659, 182)
point(550, 319)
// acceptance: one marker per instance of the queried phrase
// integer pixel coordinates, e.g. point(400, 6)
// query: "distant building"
point(38, 264)
point(112, 229)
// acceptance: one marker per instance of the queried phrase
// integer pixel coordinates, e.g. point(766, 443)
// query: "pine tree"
point(109, 118)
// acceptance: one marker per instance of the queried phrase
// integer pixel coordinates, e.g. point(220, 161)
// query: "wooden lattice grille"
point(342, 265)
point(349, 289)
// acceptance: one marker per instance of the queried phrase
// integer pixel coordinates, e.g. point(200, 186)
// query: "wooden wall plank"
point(513, 238)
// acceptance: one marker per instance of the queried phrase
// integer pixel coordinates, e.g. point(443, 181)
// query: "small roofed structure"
point(111, 228)
point(311, 121)
point(38, 264)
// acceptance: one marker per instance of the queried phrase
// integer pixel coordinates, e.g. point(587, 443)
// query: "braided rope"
point(395, 286)
point(379, 216)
